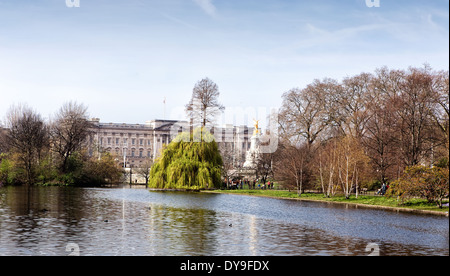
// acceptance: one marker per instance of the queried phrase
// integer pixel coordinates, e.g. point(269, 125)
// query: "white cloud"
point(207, 6)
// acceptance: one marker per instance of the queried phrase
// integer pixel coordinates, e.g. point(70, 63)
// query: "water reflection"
point(182, 231)
point(42, 221)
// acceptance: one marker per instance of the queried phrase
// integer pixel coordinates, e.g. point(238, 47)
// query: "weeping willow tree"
point(191, 161)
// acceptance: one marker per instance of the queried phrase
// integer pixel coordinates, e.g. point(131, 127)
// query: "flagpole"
point(164, 108)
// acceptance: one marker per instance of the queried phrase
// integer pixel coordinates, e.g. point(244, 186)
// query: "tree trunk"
point(330, 183)
point(347, 190)
point(299, 188)
point(321, 178)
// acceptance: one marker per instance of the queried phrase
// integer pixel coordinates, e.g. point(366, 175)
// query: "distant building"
point(134, 144)
point(234, 141)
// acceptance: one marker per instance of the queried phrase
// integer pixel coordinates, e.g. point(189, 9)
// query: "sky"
point(122, 58)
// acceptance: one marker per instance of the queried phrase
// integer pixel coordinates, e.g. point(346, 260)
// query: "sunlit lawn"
point(373, 200)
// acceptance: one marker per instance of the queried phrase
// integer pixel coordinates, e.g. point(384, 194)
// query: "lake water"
point(123, 221)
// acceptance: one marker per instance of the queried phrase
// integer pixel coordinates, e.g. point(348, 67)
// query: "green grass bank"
point(368, 201)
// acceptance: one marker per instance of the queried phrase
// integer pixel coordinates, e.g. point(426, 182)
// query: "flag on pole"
point(164, 102)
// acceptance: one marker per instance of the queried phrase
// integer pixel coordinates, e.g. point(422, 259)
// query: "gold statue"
point(256, 127)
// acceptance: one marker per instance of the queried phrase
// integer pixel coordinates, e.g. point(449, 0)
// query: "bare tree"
point(27, 136)
point(306, 113)
point(353, 102)
point(144, 170)
point(351, 164)
point(69, 131)
point(441, 111)
point(380, 139)
point(326, 167)
point(4, 147)
point(291, 166)
point(415, 110)
point(229, 160)
point(410, 94)
point(264, 167)
point(204, 104)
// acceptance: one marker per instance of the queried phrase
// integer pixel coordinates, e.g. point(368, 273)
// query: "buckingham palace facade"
point(135, 144)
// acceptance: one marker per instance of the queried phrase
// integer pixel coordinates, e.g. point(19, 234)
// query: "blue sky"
point(122, 57)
